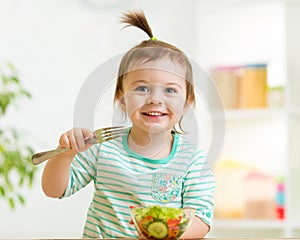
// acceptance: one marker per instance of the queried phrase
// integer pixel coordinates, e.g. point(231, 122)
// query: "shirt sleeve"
point(82, 170)
point(199, 188)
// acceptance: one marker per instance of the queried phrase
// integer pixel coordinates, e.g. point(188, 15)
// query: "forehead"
point(153, 76)
point(162, 65)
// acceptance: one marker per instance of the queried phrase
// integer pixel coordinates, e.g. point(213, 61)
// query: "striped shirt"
point(122, 179)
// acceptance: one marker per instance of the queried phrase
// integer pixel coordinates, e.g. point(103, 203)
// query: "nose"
point(155, 97)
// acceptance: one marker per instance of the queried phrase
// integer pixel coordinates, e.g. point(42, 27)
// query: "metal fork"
point(100, 135)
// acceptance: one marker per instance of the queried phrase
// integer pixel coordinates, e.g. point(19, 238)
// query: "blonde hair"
point(151, 50)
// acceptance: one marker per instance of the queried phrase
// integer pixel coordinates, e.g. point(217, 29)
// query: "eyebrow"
point(136, 82)
point(176, 84)
point(147, 82)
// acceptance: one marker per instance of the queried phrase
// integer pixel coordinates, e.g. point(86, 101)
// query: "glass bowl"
point(158, 222)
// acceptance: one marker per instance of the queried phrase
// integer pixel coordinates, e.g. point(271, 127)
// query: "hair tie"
point(153, 39)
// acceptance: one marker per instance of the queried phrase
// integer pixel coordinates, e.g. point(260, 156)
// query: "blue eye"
point(142, 89)
point(170, 90)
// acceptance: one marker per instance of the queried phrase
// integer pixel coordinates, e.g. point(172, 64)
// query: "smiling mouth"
point(156, 114)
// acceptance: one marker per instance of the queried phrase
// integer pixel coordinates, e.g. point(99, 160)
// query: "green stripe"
point(197, 178)
point(102, 204)
point(122, 186)
point(198, 206)
point(201, 170)
point(125, 160)
point(84, 167)
point(125, 193)
point(117, 173)
point(109, 206)
point(103, 211)
point(75, 179)
point(85, 170)
point(114, 191)
point(200, 190)
point(199, 183)
point(90, 229)
point(125, 183)
point(92, 166)
point(120, 199)
point(118, 167)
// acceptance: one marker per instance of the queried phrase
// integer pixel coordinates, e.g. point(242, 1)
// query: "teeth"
point(154, 113)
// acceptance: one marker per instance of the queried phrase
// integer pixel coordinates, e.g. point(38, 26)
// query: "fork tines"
point(109, 129)
point(109, 133)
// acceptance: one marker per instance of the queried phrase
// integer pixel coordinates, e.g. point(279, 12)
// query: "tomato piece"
point(173, 232)
point(173, 222)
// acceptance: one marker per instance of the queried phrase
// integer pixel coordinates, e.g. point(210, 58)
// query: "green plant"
point(16, 170)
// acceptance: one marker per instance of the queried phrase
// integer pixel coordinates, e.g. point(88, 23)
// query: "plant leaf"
point(2, 191)
point(12, 203)
point(21, 199)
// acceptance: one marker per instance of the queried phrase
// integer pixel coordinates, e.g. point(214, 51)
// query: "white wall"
point(55, 45)
point(243, 32)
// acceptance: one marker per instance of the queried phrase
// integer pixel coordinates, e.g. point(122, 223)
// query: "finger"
point(87, 133)
point(72, 139)
point(64, 141)
point(79, 137)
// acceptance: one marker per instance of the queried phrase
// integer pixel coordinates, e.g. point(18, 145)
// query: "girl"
point(151, 164)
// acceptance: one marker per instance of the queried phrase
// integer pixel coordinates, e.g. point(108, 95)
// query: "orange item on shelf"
point(242, 87)
point(226, 79)
point(252, 91)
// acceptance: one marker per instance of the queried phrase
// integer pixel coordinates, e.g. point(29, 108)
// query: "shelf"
point(251, 114)
point(254, 113)
point(266, 137)
point(249, 224)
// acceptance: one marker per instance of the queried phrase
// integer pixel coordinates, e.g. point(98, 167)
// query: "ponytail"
point(137, 19)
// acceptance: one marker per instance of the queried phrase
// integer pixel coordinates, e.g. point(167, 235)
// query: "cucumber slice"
point(158, 230)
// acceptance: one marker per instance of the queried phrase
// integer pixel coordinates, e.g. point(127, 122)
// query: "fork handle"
point(40, 157)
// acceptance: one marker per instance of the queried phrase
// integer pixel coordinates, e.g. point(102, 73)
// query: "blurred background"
point(251, 50)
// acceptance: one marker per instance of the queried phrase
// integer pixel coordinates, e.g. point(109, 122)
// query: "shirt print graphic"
point(166, 187)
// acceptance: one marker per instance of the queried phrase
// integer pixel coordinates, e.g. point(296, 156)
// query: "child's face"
point(153, 99)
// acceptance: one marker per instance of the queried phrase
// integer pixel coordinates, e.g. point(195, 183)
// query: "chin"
point(158, 128)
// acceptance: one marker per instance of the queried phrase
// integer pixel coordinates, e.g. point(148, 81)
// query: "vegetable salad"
point(156, 222)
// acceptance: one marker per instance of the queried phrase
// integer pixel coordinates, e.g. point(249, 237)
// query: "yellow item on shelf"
point(229, 199)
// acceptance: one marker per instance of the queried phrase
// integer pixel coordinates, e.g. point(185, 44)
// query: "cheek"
point(178, 111)
point(133, 103)
point(177, 105)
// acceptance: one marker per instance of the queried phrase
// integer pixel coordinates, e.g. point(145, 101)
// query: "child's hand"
point(74, 139)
